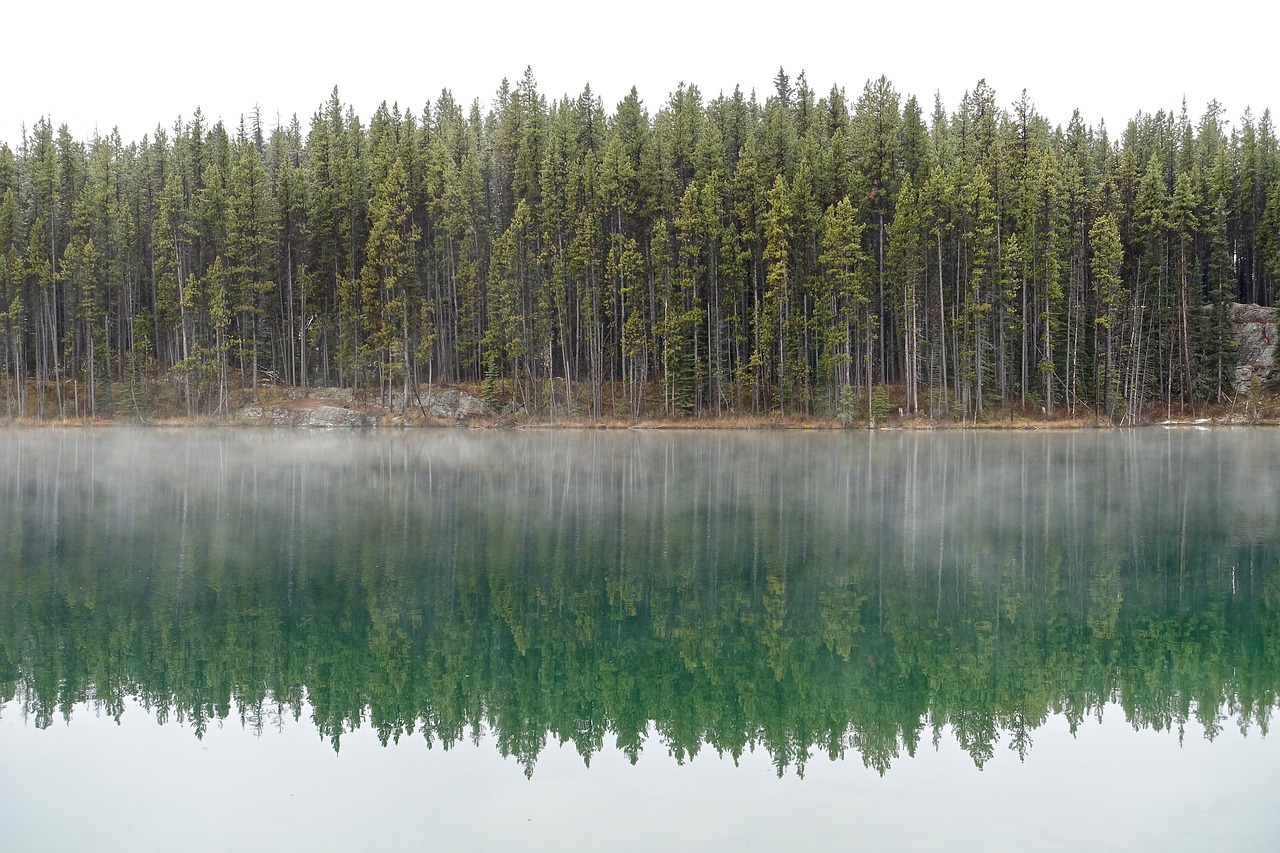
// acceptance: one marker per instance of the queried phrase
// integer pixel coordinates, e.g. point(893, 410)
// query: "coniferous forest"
point(804, 253)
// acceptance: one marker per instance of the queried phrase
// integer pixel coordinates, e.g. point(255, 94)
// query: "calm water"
point(583, 640)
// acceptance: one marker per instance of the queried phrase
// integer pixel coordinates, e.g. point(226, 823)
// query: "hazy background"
point(141, 63)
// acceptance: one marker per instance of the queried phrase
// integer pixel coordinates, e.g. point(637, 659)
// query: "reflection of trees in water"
point(804, 594)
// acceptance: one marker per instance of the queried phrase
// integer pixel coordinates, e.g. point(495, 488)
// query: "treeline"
point(795, 255)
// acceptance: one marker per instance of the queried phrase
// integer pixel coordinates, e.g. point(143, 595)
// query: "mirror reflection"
point(848, 595)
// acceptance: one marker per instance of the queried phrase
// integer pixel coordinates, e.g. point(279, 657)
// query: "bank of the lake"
point(468, 405)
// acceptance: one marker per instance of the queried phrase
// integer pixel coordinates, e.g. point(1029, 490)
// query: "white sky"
point(139, 63)
point(1108, 787)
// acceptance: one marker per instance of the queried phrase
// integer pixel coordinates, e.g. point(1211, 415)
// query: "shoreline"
point(462, 407)
point(736, 424)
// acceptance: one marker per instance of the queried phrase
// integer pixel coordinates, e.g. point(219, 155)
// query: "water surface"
point(591, 640)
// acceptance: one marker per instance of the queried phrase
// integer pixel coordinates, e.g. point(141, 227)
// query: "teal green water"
point(646, 597)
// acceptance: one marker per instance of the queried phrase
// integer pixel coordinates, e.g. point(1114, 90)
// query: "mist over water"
point(905, 488)
point(848, 595)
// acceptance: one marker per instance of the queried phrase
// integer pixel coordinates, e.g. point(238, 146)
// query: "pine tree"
point(251, 245)
point(906, 263)
point(844, 265)
point(1106, 255)
point(389, 296)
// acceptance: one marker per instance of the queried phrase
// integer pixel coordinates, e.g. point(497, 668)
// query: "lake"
point(449, 639)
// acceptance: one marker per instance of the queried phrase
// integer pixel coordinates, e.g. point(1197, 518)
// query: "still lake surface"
point(215, 639)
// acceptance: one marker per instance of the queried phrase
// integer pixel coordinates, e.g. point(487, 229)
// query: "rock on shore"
point(293, 415)
point(338, 407)
point(1256, 336)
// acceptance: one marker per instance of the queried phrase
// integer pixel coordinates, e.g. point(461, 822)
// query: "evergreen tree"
point(251, 246)
point(1106, 255)
point(791, 254)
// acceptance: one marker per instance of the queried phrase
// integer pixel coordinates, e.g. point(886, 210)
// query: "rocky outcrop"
point(447, 404)
point(1256, 337)
point(340, 395)
point(454, 405)
point(312, 413)
point(338, 407)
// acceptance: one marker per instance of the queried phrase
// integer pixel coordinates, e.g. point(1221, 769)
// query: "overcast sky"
point(133, 65)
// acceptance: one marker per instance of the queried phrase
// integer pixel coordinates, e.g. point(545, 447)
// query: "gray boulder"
point(1256, 337)
point(454, 405)
point(336, 416)
point(342, 395)
point(312, 414)
point(447, 404)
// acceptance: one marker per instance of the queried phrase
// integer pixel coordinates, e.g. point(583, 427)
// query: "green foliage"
point(879, 407)
point(728, 253)
point(847, 406)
